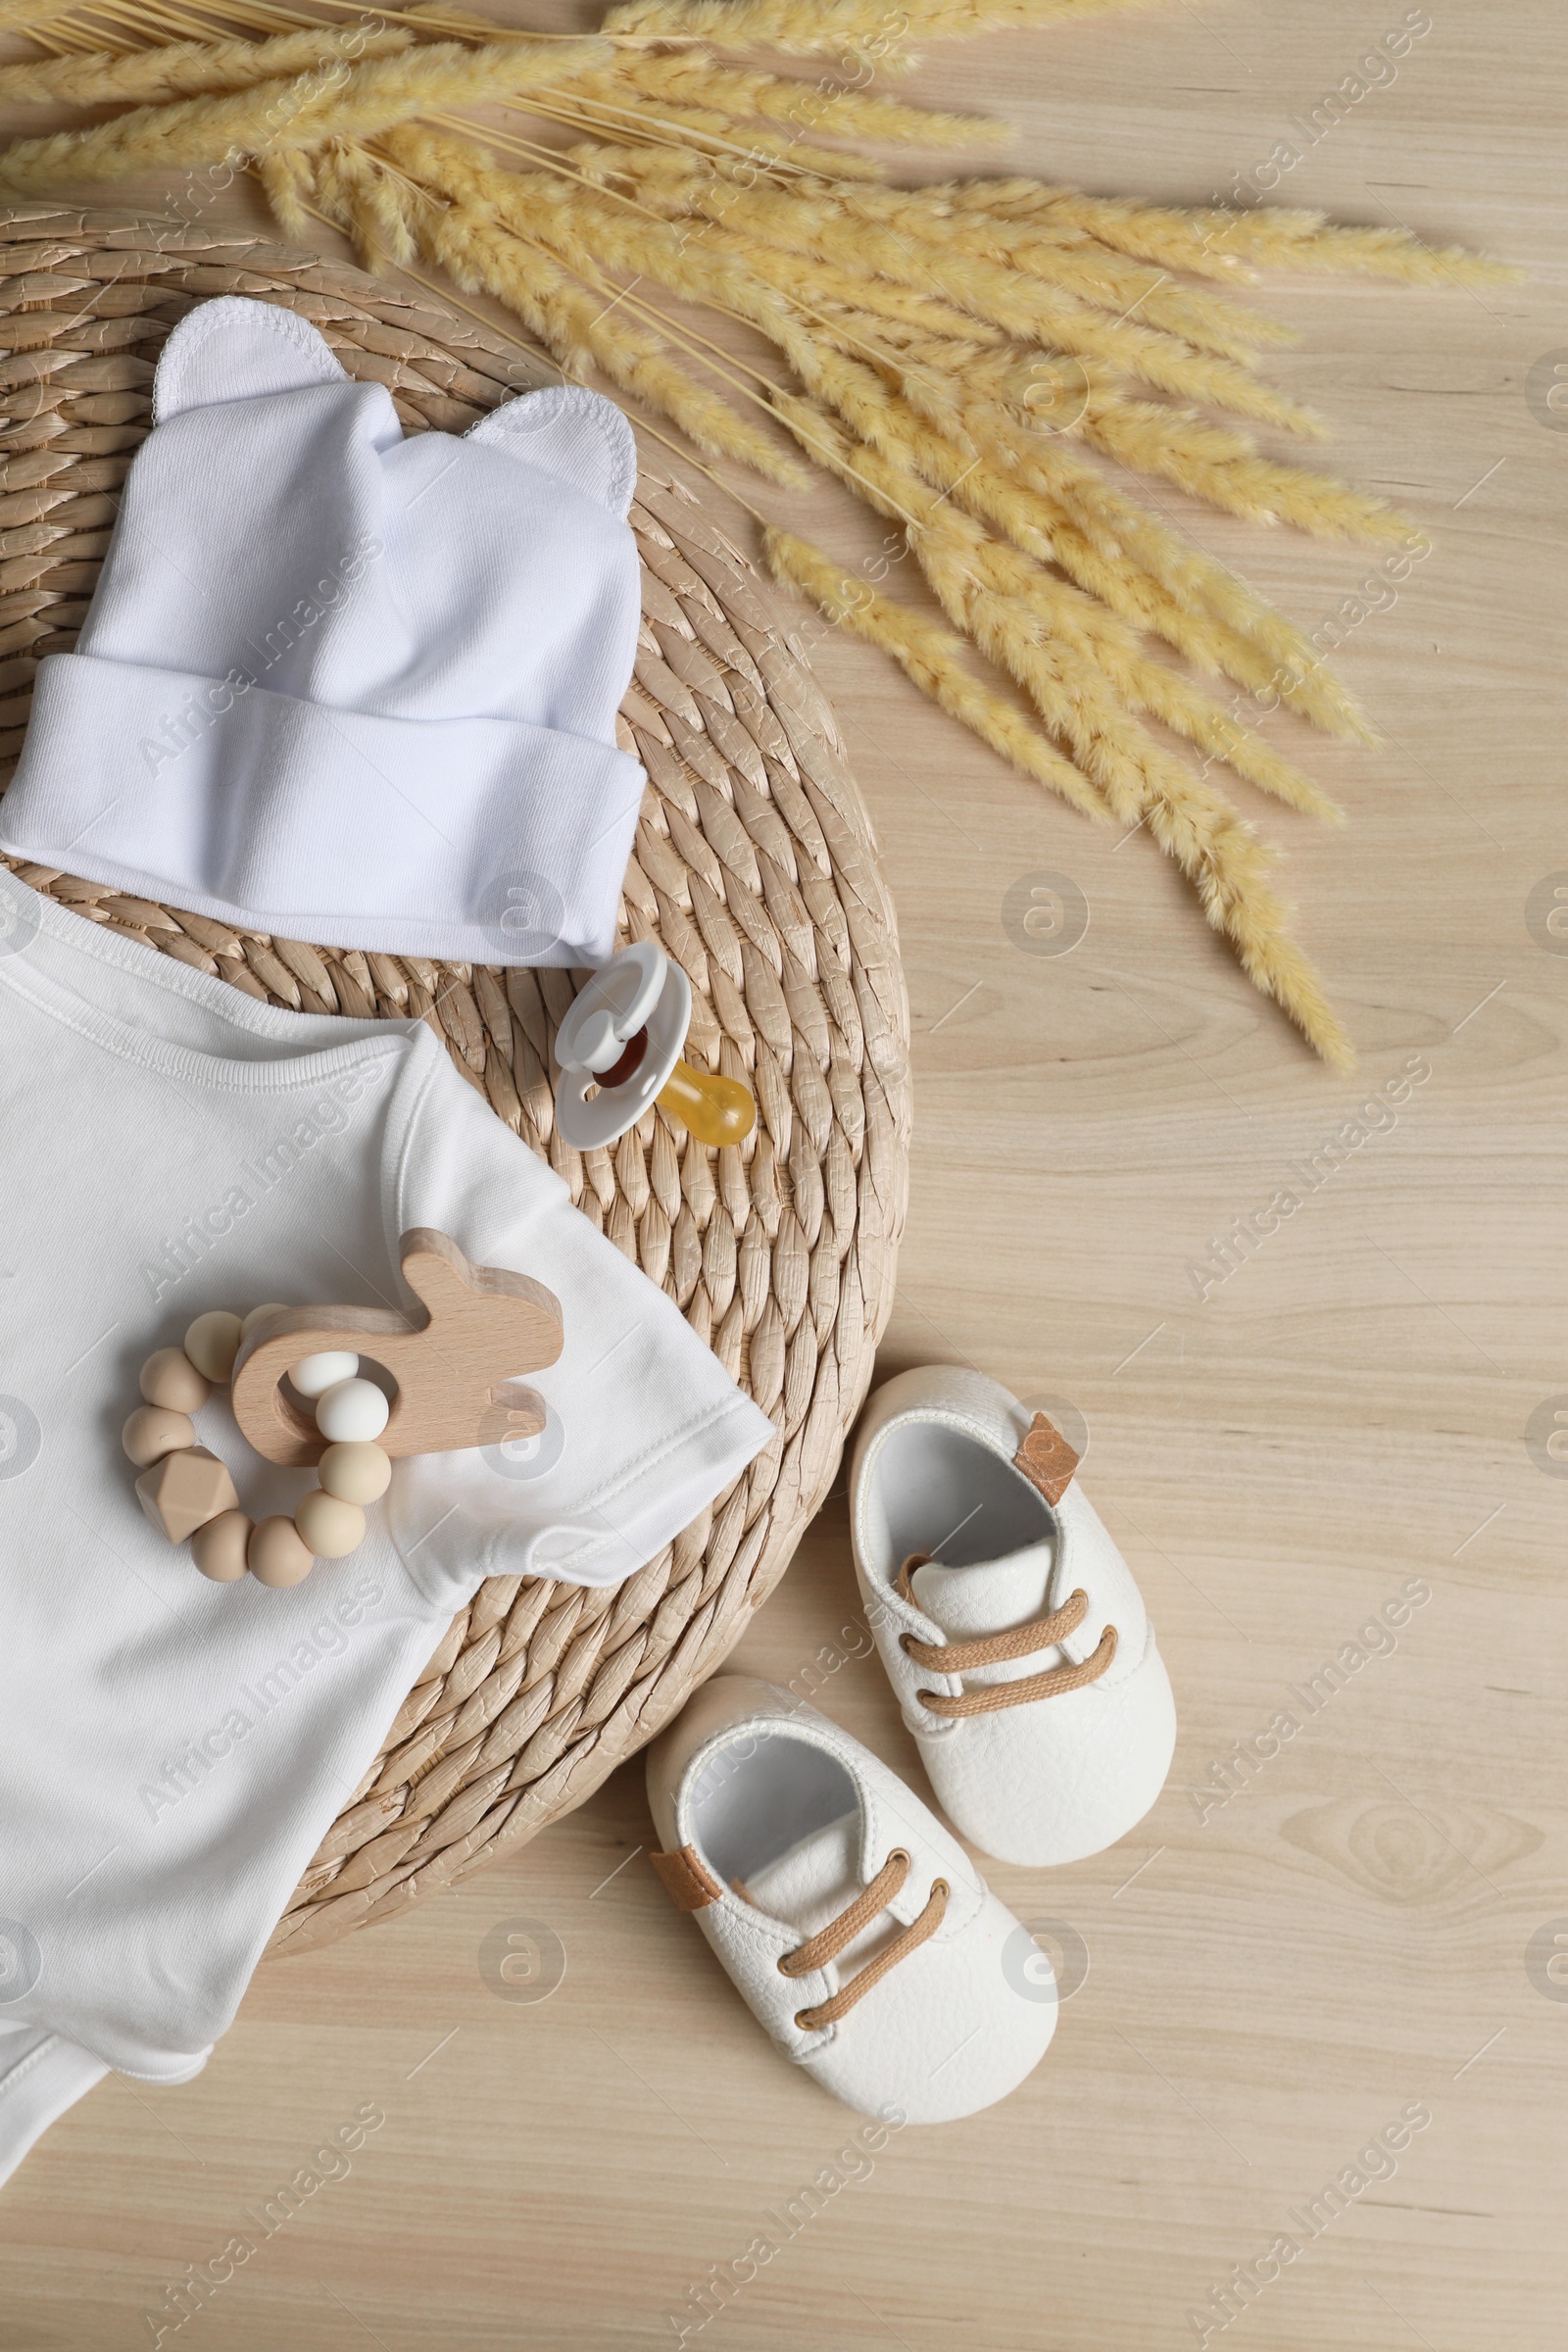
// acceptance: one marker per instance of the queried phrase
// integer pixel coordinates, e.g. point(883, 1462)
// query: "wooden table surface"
point(1355, 1921)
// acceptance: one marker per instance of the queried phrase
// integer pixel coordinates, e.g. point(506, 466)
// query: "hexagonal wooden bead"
point(185, 1489)
point(169, 1378)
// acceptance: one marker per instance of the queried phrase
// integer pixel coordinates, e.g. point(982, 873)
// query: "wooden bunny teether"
point(455, 1372)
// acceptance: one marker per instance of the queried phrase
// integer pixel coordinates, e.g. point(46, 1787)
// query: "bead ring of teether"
point(187, 1492)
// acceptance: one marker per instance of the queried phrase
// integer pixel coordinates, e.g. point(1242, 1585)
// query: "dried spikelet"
point(865, 309)
point(1136, 565)
point(1078, 266)
point(659, 173)
point(1058, 508)
point(1144, 572)
point(586, 231)
point(801, 27)
point(580, 330)
point(1266, 238)
point(331, 101)
point(1224, 469)
point(1292, 674)
point(1210, 462)
point(184, 68)
point(818, 224)
point(1228, 866)
point(963, 20)
point(733, 145)
point(1219, 853)
point(704, 275)
point(334, 191)
point(1197, 241)
point(932, 659)
point(929, 460)
point(717, 141)
point(1220, 241)
point(367, 203)
point(1079, 619)
point(842, 112)
point(288, 182)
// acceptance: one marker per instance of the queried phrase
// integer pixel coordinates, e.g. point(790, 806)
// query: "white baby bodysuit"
point(172, 1750)
point(344, 685)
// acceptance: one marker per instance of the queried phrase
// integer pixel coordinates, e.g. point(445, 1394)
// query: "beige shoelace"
point(830, 1940)
point(993, 1650)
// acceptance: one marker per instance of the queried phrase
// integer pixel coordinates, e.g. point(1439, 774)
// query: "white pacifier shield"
point(640, 988)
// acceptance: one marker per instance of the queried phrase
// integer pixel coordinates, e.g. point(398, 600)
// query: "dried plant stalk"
point(966, 358)
point(186, 68)
point(330, 101)
point(933, 659)
point(804, 28)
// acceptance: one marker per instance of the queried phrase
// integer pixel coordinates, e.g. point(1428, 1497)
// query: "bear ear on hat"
point(573, 433)
point(232, 349)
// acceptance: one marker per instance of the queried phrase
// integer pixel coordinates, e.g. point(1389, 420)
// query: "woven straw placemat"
point(754, 868)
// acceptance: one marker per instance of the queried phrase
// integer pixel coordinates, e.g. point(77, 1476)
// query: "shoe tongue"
point(991, 1597)
point(814, 1879)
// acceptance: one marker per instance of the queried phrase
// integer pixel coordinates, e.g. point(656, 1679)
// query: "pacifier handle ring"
point(650, 1019)
point(646, 965)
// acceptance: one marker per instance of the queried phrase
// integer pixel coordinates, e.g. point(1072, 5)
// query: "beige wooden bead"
point(185, 1489)
point(273, 1307)
point(330, 1526)
point(169, 1378)
point(274, 1554)
point(219, 1547)
point(153, 1431)
point(212, 1342)
point(355, 1471)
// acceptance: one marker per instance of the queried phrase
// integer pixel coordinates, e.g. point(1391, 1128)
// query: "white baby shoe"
point(1009, 1622)
point(855, 1927)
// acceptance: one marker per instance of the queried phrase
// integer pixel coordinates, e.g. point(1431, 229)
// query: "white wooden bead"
point(328, 1526)
point(314, 1375)
point(352, 1411)
point(355, 1473)
point(212, 1342)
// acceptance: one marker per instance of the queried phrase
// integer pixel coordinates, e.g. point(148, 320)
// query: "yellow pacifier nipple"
point(713, 1109)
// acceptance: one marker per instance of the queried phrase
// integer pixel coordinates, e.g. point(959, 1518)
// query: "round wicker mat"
point(754, 868)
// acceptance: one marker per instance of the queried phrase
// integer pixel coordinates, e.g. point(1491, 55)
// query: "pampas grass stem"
point(973, 360)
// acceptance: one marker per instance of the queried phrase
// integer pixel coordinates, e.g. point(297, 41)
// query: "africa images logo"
point(21, 1438)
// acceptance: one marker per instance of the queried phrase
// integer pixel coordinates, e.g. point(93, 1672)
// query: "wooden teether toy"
point(455, 1388)
point(623, 1034)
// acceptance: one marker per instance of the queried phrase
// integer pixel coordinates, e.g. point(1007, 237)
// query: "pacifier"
point(622, 1035)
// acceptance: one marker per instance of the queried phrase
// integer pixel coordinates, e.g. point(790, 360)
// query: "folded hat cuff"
point(474, 839)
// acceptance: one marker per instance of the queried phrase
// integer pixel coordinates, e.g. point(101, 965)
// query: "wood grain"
point(1281, 1963)
point(454, 1372)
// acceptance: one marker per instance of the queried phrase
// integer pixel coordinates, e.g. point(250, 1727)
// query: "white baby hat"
point(343, 686)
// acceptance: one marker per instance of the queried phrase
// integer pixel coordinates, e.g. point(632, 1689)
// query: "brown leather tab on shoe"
point(1046, 1459)
point(690, 1882)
